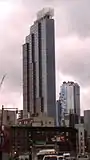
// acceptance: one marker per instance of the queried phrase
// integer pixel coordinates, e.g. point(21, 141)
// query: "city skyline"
point(72, 45)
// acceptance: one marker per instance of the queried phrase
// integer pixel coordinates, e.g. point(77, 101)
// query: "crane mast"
point(2, 80)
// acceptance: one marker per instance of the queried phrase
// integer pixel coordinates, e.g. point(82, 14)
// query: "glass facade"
point(70, 99)
point(41, 90)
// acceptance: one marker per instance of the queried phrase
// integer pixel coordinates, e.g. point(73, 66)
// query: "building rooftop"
point(45, 12)
point(70, 83)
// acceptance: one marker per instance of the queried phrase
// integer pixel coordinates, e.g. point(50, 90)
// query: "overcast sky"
point(72, 31)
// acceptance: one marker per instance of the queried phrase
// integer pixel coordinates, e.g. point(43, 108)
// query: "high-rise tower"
point(70, 99)
point(39, 66)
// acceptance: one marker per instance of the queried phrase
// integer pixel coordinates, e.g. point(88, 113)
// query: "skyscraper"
point(70, 99)
point(39, 66)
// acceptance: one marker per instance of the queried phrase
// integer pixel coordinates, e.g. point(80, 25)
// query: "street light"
point(2, 128)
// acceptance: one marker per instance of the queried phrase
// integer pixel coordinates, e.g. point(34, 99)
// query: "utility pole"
point(2, 136)
point(1, 132)
point(1, 129)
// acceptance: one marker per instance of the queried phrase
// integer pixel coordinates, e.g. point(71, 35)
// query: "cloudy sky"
point(72, 27)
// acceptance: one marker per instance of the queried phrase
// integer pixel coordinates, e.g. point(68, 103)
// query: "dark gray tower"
point(39, 93)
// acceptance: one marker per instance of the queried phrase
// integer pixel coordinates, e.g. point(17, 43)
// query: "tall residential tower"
point(39, 66)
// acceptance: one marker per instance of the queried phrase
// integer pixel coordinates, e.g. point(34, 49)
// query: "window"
point(60, 158)
point(81, 133)
point(50, 158)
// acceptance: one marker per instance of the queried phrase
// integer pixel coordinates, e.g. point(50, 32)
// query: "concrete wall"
point(9, 117)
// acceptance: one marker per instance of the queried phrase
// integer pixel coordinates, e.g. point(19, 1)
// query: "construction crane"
point(2, 80)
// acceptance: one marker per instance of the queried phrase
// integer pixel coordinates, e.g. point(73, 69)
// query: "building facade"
point(9, 117)
point(87, 127)
point(81, 138)
point(24, 138)
point(39, 67)
point(70, 99)
point(20, 114)
point(41, 121)
point(87, 121)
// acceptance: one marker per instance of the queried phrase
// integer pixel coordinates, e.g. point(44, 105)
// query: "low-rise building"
point(9, 117)
point(39, 121)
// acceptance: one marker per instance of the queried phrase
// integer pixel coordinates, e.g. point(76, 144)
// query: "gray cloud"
point(72, 43)
point(79, 17)
point(73, 17)
point(73, 59)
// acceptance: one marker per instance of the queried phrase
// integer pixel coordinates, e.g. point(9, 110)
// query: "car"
point(61, 157)
point(67, 156)
point(50, 157)
point(53, 157)
point(82, 157)
point(44, 152)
